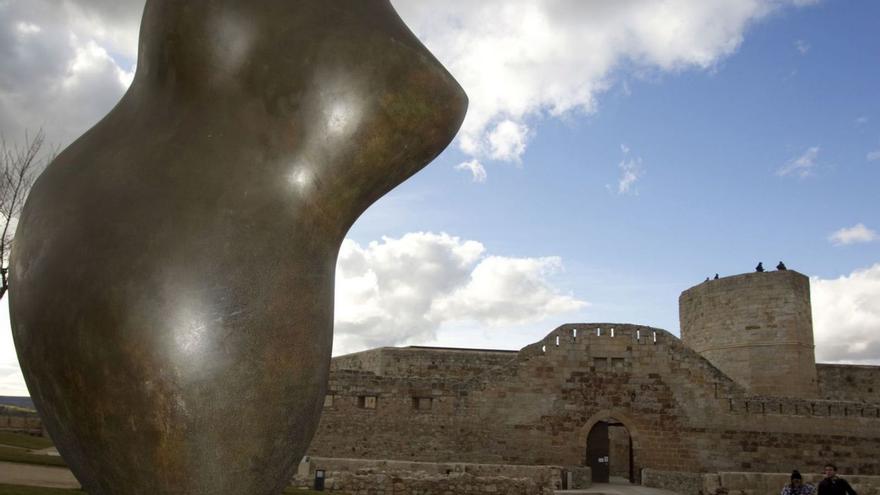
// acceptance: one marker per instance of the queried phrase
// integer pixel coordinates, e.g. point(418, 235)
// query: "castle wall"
point(757, 328)
point(424, 478)
point(682, 413)
point(849, 382)
point(428, 362)
point(371, 361)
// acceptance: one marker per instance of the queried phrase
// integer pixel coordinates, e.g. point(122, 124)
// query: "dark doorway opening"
point(610, 452)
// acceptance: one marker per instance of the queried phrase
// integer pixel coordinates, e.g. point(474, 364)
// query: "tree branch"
point(18, 171)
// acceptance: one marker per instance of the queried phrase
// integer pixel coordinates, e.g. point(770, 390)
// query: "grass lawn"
point(23, 440)
point(14, 454)
point(33, 490)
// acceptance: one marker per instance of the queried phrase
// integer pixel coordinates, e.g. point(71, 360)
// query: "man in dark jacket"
point(832, 485)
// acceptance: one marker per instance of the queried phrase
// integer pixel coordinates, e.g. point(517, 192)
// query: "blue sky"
point(622, 152)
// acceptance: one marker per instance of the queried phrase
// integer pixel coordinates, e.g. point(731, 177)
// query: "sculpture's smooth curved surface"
point(173, 271)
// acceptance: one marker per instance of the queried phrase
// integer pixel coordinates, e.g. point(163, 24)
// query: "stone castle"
point(739, 394)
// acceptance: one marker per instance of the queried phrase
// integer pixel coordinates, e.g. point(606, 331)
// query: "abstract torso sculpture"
point(172, 278)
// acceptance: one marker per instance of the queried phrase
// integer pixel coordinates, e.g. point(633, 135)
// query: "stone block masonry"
point(849, 382)
point(757, 328)
point(382, 477)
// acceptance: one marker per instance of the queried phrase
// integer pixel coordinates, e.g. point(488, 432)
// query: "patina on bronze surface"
point(172, 280)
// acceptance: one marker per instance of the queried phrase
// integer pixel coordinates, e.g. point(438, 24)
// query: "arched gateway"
point(609, 450)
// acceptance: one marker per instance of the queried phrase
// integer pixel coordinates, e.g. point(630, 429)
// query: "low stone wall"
point(734, 483)
point(20, 422)
point(388, 477)
point(677, 481)
point(365, 482)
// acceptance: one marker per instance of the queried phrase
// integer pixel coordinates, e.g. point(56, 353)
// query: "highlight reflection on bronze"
point(172, 278)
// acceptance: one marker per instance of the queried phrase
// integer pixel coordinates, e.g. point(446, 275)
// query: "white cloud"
point(403, 290)
point(58, 72)
point(802, 46)
point(524, 60)
point(873, 155)
point(475, 168)
point(861, 120)
point(802, 166)
point(508, 141)
point(858, 233)
point(506, 291)
point(846, 317)
point(28, 28)
point(631, 171)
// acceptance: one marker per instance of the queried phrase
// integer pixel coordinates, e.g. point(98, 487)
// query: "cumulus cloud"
point(873, 155)
point(802, 166)
point(65, 64)
point(403, 290)
point(520, 61)
point(506, 291)
point(475, 168)
point(508, 141)
point(846, 317)
point(858, 233)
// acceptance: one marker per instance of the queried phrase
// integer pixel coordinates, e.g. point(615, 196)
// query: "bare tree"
point(20, 164)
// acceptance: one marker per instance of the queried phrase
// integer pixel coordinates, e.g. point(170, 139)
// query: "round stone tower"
point(757, 328)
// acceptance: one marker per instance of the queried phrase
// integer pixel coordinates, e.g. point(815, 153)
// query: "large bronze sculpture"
point(172, 278)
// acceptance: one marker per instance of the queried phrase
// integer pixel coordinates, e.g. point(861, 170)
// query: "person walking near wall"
point(797, 486)
point(834, 485)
